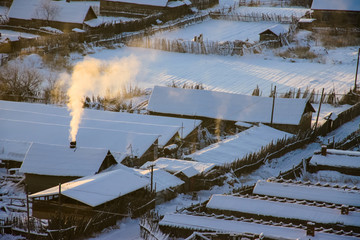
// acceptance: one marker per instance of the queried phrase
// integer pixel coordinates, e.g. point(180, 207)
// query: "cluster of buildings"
point(34, 138)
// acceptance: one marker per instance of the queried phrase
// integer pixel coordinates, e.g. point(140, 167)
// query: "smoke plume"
point(96, 77)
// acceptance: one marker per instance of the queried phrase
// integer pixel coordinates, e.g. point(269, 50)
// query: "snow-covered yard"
point(220, 30)
point(237, 74)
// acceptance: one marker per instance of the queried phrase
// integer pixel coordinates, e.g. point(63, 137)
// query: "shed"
point(291, 115)
point(273, 33)
point(347, 162)
point(47, 165)
point(93, 192)
point(64, 15)
point(336, 13)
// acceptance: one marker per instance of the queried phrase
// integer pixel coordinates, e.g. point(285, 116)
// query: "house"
point(274, 35)
point(141, 7)
point(346, 162)
point(126, 125)
point(220, 108)
point(47, 165)
point(187, 171)
point(63, 15)
point(336, 13)
point(113, 190)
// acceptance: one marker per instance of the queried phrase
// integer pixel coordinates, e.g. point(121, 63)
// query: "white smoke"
point(96, 77)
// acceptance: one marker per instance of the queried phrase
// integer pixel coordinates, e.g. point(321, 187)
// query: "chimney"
point(344, 209)
point(73, 144)
point(310, 229)
point(323, 150)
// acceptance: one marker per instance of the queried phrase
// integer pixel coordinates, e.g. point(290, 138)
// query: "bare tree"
point(47, 10)
point(20, 81)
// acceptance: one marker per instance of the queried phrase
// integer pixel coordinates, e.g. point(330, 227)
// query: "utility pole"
point(152, 178)
point(27, 210)
point(357, 68)
point(59, 193)
point(273, 105)
point(318, 113)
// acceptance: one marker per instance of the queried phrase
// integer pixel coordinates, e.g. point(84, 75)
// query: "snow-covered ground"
point(14, 35)
point(236, 74)
point(220, 30)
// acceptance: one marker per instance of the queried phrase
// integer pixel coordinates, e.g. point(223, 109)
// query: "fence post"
point(317, 117)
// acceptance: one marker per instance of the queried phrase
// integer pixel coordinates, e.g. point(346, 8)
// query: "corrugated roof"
point(55, 160)
point(336, 5)
point(226, 106)
point(98, 189)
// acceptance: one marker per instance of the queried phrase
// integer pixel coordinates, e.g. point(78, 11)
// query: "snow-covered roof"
point(188, 172)
point(226, 106)
point(306, 20)
point(337, 5)
point(277, 30)
point(73, 12)
point(157, 3)
point(337, 158)
point(312, 193)
point(238, 146)
point(213, 224)
point(55, 160)
point(162, 179)
point(283, 210)
point(13, 150)
point(121, 144)
point(176, 165)
point(165, 127)
point(98, 189)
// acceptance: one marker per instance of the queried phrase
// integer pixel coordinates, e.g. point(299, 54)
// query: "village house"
point(111, 191)
point(346, 162)
point(336, 13)
point(220, 110)
point(47, 165)
point(142, 7)
point(274, 35)
point(63, 15)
